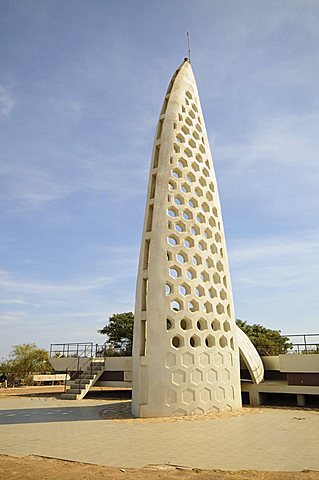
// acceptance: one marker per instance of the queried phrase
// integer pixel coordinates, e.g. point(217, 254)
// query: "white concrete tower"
point(185, 354)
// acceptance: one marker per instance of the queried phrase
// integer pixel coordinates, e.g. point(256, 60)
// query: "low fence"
point(299, 343)
point(76, 349)
point(304, 343)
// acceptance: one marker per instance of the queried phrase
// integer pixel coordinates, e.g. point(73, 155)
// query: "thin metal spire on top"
point(188, 47)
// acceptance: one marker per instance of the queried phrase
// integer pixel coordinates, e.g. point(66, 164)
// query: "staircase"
point(77, 389)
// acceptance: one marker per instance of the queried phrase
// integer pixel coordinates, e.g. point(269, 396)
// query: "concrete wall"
point(300, 379)
point(69, 363)
point(271, 363)
point(304, 364)
point(299, 363)
point(111, 363)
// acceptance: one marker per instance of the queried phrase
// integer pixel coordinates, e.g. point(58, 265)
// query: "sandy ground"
point(51, 390)
point(37, 467)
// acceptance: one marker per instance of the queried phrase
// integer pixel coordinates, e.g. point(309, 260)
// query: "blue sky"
point(81, 85)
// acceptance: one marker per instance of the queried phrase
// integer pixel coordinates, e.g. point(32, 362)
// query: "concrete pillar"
point(254, 398)
point(301, 400)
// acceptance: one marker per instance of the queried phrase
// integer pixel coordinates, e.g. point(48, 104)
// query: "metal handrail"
point(306, 345)
point(75, 349)
point(98, 352)
point(72, 349)
point(77, 372)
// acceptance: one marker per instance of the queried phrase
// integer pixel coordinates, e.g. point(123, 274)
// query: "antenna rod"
point(188, 47)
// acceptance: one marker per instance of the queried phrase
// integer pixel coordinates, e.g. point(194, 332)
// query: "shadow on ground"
point(92, 394)
point(66, 414)
point(109, 394)
point(56, 395)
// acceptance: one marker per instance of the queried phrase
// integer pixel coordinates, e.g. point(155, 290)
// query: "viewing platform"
point(291, 378)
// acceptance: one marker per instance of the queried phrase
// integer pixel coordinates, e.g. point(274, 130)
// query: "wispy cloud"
point(84, 169)
point(15, 301)
point(290, 139)
point(273, 172)
point(75, 286)
point(275, 281)
point(279, 261)
point(64, 105)
point(73, 310)
point(12, 318)
point(279, 246)
point(123, 259)
point(31, 186)
point(6, 102)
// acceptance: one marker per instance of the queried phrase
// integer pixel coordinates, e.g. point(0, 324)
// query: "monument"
point(185, 351)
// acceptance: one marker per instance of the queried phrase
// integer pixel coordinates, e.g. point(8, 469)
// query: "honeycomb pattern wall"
point(185, 356)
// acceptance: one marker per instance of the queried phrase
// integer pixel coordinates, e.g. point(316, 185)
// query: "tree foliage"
point(24, 361)
point(120, 334)
point(266, 341)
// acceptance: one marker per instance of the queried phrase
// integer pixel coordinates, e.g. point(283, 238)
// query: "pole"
point(188, 47)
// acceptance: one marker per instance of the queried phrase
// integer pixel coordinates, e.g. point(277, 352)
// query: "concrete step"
point(78, 387)
point(82, 386)
point(75, 391)
point(69, 396)
point(72, 385)
point(82, 380)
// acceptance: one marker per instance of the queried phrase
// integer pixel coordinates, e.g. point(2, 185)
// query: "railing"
point(304, 343)
point(80, 352)
point(299, 344)
point(84, 350)
point(74, 370)
point(289, 344)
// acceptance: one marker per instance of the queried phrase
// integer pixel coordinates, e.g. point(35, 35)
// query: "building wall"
point(303, 382)
point(299, 363)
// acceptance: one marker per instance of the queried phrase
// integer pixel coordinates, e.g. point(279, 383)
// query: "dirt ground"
point(42, 468)
point(50, 390)
point(39, 468)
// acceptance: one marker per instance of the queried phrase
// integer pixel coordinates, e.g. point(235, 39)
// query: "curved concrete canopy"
point(250, 356)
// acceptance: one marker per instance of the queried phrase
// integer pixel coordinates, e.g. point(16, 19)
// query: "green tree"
point(266, 341)
point(120, 334)
point(24, 361)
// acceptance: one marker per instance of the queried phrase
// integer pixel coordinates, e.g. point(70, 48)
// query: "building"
point(291, 379)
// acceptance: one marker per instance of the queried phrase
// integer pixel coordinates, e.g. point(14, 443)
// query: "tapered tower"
point(185, 353)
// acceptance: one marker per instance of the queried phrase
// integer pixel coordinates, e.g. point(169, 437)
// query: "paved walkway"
point(272, 439)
